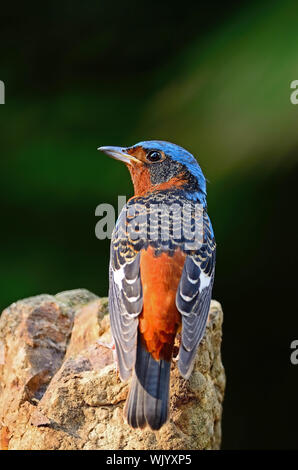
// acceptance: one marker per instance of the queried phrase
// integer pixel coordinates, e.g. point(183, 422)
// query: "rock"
point(59, 388)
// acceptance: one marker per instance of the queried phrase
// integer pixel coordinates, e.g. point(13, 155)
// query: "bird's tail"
point(147, 402)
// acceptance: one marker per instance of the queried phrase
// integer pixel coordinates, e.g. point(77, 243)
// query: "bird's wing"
point(194, 296)
point(125, 293)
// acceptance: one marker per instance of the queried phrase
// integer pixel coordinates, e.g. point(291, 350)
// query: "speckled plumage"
point(159, 286)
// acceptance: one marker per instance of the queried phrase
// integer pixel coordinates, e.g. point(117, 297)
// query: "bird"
point(159, 286)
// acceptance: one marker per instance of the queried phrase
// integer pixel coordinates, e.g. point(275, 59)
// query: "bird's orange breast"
point(160, 319)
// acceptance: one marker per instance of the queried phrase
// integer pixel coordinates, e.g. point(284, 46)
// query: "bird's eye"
point(154, 156)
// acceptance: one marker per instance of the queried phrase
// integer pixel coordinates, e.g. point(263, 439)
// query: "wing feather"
point(125, 295)
point(193, 298)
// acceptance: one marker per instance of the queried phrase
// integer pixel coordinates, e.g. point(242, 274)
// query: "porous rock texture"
point(59, 388)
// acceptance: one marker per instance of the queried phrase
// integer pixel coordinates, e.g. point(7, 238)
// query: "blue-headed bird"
point(158, 287)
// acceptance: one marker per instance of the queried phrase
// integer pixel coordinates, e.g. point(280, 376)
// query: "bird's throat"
point(143, 185)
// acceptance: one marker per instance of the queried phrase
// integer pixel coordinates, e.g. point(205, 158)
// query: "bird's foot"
point(176, 358)
point(176, 348)
point(111, 346)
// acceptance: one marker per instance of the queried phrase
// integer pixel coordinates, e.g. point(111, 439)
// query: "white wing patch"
point(119, 275)
point(204, 281)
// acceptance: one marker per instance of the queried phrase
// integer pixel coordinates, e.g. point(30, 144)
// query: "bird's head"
point(157, 165)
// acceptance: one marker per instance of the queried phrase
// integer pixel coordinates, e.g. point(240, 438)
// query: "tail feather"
point(147, 402)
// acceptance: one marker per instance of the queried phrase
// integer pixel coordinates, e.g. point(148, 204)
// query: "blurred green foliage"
point(214, 80)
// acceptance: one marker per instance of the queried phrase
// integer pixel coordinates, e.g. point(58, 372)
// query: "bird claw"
point(112, 347)
point(176, 348)
point(176, 359)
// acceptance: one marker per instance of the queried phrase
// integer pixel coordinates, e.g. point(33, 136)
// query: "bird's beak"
point(119, 154)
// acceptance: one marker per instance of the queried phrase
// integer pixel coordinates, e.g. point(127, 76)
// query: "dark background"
point(214, 78)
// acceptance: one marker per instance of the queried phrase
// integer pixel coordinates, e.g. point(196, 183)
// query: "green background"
point(212, 78)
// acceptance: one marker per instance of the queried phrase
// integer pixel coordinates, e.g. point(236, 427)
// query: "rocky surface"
point(59, 388)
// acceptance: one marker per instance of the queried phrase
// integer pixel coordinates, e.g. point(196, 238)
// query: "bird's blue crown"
point(178, 154)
